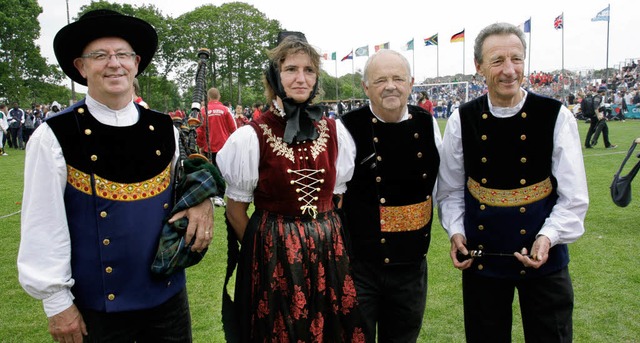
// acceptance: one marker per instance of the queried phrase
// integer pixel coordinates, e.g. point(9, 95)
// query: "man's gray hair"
point(497, 29)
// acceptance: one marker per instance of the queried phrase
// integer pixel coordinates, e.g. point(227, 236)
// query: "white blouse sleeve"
point(345, 163)
point(238, 162)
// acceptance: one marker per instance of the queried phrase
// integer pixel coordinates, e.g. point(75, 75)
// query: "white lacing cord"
point(307, 181)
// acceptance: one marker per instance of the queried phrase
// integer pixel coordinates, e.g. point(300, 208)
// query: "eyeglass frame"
point(120, 56)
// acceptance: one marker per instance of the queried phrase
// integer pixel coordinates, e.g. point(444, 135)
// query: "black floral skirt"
point(294, 281)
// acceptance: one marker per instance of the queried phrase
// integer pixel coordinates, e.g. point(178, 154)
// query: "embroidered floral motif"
point(510, 197)
point(320, 144)
point(281, 148)
point(120, 191)
point(405, 218)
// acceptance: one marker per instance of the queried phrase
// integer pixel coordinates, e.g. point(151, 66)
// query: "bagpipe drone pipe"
point(188, 135)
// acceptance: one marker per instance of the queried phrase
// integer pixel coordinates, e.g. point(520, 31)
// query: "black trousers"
point(592, 129)
point(546, 305)
point(169, 322)
point(391, 297)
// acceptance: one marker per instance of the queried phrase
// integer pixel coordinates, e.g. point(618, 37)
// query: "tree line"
point(236, 34)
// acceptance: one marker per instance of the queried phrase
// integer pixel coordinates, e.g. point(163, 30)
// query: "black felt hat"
point(71, 40)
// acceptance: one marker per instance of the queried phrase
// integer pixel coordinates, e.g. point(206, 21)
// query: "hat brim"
point(71, 40)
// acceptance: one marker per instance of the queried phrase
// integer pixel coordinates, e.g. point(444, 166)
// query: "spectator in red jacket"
point(218, 125)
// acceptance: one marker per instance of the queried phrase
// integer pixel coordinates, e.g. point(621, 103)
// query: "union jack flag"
point(558, 23)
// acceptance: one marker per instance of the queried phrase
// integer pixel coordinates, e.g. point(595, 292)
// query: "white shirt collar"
point(405, 115)
point(126, 116)
point(506, 112)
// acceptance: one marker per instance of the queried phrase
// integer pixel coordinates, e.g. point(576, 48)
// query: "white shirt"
point(565, 224)
point(44, 257)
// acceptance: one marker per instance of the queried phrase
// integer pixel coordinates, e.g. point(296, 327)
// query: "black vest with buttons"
point(508, 159)
point(396, 165)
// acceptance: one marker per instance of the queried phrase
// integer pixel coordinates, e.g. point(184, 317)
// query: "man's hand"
point(539, 253)
point(200, 224)
point(458, 242)
point(67, 326)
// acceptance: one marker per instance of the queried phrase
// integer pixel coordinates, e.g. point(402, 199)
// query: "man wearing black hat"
point(90, 232)
point(599, 122)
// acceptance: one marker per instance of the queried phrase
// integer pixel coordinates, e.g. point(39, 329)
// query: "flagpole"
point(413, 57)
point(563, 25)
point(335, 63)
point(463, 45)
point(529, 62)
point(608, 21)
point(438, 60)
point(353, 75)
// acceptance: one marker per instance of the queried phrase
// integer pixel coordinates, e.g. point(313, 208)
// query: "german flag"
point(458, 37)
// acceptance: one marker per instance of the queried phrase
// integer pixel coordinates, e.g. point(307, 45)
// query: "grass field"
point(606, 275)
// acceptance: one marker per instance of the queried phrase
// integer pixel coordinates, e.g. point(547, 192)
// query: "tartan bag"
point(201, 181)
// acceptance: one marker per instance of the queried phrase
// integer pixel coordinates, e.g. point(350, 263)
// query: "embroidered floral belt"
point(120, 191)
point(510, 197)
point(405, 218)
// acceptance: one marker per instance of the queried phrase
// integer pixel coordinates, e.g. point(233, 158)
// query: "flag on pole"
point(348, 57)
point(527, 26)
point(458, 37)
point(362, 51)
point(408, 45)
point(328, 56)
point(602, 15)
point(558, 23)
point(382, 46)
point(433, 40)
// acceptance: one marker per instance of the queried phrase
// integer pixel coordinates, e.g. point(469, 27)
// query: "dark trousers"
point(26, 134)
point(592, 128)
point(169, 322)
point(16, 137)
point(393, 297)
point(546, 305)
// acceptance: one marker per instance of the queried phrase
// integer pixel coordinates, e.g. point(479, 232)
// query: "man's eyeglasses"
point(122, 57)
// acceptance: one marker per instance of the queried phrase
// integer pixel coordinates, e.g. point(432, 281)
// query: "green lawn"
point(605, 277)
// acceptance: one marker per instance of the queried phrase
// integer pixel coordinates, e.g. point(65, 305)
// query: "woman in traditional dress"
point(293, 282)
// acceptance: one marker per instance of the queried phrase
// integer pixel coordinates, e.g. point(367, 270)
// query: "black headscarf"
point(299, 116)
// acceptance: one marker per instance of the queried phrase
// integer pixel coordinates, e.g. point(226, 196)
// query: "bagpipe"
point(196, 180)
point(187, 126)
point(621, 184)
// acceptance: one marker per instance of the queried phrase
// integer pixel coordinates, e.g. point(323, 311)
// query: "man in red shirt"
point(218, 124)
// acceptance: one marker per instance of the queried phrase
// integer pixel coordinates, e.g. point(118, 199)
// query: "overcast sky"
point(341, 25)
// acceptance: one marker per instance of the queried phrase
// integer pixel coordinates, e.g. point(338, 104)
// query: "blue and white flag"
point(602, 15)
